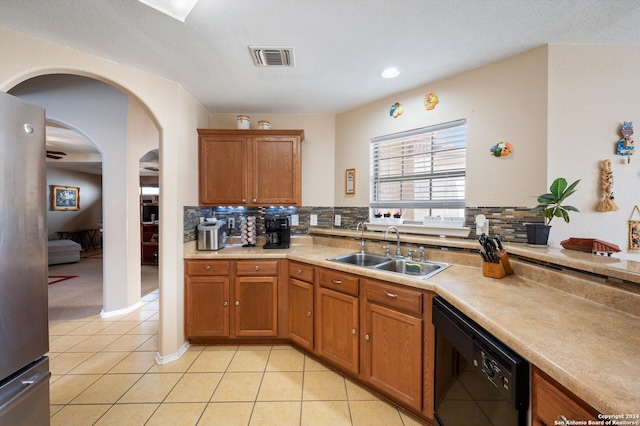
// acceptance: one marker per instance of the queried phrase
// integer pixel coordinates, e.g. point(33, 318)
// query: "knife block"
point(497, 270)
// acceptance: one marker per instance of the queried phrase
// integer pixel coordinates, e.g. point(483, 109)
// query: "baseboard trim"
point(117, 312)
point(161, 360)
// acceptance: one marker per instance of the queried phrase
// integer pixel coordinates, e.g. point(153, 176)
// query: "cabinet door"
point(301, 313)
point(392, 353)
point(223, 170)
point(276, 171)
point(207, 306)
point(552, 404)
point(256, 306)
point(337, 328)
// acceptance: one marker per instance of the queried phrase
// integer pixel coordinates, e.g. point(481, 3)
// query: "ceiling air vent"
point(272, 56)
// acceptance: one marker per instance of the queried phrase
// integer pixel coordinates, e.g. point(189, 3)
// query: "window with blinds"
point(420, 169)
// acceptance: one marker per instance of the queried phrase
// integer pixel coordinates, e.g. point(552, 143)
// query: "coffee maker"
point(278, 232)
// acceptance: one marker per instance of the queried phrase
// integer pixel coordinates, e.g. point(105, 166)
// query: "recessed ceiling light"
point(177, 9)
point(391, 72)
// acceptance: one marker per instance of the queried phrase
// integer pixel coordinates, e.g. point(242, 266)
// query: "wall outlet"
point(294, 220)
point(313, 220)
point(338, 220)
point(231, 222)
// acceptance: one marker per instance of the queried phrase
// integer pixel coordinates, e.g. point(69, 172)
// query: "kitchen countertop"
point(590, 348)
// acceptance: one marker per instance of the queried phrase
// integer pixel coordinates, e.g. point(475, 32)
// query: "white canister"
point(243, 122)
point(264, 125)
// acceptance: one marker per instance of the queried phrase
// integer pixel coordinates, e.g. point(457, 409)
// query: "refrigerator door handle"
point(30, 383)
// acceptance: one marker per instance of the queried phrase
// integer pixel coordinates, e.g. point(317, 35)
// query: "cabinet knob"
point(244, 200)
point(207, 268)
point(257, 268)
point(353, 331)
point(391, 295)
point(367, 337)
point(225, 303)
point(308, 313)
point(237, 303)
point(254, 200)
point(337, 282)
point(562, 419)
point(299, 271)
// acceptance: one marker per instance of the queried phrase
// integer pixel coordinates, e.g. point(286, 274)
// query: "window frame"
point(440, 143)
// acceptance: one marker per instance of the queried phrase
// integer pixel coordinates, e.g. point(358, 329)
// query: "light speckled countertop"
point(592, 349)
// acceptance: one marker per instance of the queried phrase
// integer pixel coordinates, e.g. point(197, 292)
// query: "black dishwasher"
point(478, 380)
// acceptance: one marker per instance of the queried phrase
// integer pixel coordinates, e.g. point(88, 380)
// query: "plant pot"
point(537, 234)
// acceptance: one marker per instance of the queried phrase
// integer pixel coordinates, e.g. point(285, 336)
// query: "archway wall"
point(177, 116)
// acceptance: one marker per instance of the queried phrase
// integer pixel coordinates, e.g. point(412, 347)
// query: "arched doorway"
point(121, 130)
point(149, 220)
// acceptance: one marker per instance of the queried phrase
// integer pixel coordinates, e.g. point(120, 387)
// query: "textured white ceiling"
point(340, 45)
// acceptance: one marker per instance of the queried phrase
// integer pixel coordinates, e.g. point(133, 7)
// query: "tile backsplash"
point(508, 222)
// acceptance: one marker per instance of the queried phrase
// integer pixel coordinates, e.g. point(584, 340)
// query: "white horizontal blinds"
point(422, 168)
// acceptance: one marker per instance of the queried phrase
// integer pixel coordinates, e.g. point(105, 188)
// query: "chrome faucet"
point(361, 243)
point(393, 228)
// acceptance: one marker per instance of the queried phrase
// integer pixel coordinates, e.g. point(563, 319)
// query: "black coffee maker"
point(278, 232)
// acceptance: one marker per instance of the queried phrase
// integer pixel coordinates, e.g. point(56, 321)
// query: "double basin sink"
point(395, 264)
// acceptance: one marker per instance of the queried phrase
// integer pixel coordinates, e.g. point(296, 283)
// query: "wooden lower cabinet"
point(256, 306)
point(337, 320)
point(215, 308)
point(206, 299)
point(301, 309)
point(301, 313)
point(392, 342)
point(378, 333)
point(208, 312)
point(552, 404)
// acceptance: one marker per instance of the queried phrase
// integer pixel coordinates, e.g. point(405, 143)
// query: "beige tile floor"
point(104, 373)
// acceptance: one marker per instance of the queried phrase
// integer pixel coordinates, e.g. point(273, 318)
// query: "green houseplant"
point(551, 205)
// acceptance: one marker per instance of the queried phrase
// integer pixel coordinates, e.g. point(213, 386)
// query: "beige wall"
point(318, 149)
point(90, 201)
point(592, 91)
point(505, 100)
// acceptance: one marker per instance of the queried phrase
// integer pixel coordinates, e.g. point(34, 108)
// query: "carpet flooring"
point(57, 278)
point(77, 292)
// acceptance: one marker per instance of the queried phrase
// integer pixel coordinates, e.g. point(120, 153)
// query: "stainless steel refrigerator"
point(24, 332)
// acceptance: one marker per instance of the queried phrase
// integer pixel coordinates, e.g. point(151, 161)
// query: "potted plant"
point(551, 205)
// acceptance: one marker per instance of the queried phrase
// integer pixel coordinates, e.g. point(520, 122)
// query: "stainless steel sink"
point(361, 259)
point(411, 267)
point(393, 264)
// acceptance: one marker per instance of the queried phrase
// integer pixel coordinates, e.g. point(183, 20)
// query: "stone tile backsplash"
point(508, 222)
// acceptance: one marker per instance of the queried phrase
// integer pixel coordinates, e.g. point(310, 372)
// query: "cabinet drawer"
point(256, 267)
point(206, 267)
point(301, 271)
point(397, 297)
point(338, 281)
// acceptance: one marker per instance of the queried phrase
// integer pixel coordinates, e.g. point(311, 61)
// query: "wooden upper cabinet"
point(223, 170)
point(250, 167)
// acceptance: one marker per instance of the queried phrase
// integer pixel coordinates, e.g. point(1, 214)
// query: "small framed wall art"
point(65, 197)
point(350, 181)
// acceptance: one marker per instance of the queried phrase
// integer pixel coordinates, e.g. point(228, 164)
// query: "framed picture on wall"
point(350, 184)
point(65, 197)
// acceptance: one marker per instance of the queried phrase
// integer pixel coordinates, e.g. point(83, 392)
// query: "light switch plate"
point(338, 220)
point(294, 220)
point(313, 220)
